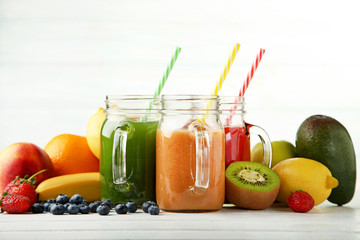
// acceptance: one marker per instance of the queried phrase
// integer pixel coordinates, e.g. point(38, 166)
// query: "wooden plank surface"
point(326, 221)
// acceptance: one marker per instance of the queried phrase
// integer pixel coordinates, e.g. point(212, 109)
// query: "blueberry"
point(93, 206)
point(57, 209)
point(76, 199)
point(84, 209)
point(47, 207)
point(85, 202)
point(132, 207)
point(51, 200)
point(109, 203)
point(154, 210)
point(103, 209)
point(62, 199)
point(121, 208)
point(37, 208)
point(66, 205)
point(147, 204)
point(73, 209)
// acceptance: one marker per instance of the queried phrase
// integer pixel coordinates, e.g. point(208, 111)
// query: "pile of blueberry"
point(77, 204)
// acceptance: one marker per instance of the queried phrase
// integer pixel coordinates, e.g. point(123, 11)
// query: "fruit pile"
point(321, 166)
point(20, 197)
point(68, 166)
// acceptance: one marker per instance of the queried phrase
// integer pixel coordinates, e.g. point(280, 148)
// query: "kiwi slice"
point(251, 185)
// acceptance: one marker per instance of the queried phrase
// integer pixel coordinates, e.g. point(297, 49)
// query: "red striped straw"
point(247, 81)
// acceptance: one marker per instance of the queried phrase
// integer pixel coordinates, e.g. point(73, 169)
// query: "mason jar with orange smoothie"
point(190, 154)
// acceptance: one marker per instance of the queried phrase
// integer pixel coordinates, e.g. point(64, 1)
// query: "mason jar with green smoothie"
point(127, 163)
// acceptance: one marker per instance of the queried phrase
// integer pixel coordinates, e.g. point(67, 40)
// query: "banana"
point(86, 184)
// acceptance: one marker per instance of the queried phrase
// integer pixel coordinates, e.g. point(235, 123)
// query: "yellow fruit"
point(93, 131)
point(307, 175)
point(86, 184)
point(71, 154)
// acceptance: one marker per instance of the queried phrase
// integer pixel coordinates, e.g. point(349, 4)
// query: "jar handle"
point(119, 157)
point(265, 140)
point(202, 148)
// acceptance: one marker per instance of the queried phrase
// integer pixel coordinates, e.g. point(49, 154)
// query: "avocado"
point(326, 140)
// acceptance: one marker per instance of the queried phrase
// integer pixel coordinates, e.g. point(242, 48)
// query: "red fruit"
point(300, 201)
point(12, 184)
point(14, 203)
point(20, 159)
point(24, 186)
point(25, 189)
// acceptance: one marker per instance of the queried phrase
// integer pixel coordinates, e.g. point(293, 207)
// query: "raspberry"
point(300, 201)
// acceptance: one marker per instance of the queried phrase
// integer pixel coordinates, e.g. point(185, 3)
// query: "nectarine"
point(20, 159)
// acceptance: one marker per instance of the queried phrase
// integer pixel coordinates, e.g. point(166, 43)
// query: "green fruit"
point(251, 185)
point(281, 150)
point(324, 139)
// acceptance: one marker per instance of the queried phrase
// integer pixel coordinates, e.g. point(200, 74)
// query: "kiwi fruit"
point(251, 185)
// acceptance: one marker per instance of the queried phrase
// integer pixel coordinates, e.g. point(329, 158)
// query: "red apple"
point(20, 159)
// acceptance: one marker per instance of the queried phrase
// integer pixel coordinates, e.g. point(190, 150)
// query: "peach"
point(20, 159)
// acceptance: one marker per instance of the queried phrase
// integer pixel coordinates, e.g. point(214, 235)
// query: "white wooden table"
point(326, 221)
point(58, 59)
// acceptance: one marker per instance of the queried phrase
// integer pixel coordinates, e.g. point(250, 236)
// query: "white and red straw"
point(247, 81)
point(251, 72)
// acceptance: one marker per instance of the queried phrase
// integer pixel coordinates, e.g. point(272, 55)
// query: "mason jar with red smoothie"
point(237, 132)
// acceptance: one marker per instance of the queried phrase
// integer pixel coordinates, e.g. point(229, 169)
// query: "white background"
point(58, 60)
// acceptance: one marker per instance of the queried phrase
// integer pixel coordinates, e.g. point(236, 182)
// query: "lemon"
point(307, 175)
point(93, 131)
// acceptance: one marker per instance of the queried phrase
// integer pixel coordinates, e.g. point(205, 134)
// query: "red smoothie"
point(237, 141)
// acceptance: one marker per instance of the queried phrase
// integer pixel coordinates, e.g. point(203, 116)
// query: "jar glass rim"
point(232, 99)
point(130, 97)
point(188, 97)
point(141, 104)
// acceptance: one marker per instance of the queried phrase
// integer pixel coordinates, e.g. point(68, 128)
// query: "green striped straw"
point(164, 78)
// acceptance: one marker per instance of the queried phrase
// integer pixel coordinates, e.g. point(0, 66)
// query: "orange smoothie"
point(176, 171)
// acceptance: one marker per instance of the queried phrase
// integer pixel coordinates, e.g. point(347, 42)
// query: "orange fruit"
point(71, 154)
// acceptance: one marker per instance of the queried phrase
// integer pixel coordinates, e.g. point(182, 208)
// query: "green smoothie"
point(140, 162)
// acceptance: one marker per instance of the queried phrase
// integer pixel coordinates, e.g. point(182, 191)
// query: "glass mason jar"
point(190, 154)
point(127, 164)
point(237, 132)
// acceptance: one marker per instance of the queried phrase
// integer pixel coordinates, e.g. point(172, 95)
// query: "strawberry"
point(12, 184)
point(25, 189)
point(14, 203)
point(300, 201)
point(24, 186)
